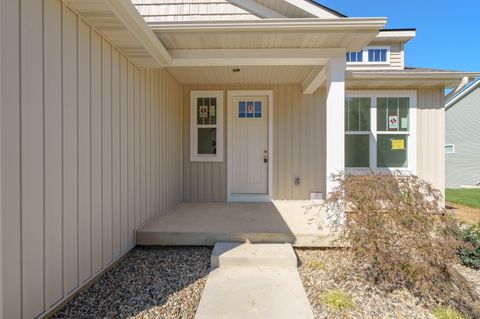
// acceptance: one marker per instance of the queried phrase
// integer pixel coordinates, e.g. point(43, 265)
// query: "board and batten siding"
point(298, 146)
point(463, 131)
point(90, 147)
point(431, 136)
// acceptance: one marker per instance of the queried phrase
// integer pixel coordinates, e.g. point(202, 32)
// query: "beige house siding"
point(431, 137)
point(298, 146)
point(90, 151)
point(397, 60)
point(190, 10)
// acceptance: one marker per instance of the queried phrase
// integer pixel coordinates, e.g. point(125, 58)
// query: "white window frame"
point(194, 156)
point(452, 146)
point(412, 133)
point(365, 56)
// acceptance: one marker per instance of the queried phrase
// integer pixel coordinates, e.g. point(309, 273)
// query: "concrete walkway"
point(254, 281)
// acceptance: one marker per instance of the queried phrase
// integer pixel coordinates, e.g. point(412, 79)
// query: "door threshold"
point(249, 198)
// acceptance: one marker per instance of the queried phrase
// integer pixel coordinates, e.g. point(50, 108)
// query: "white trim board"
point(194, 156)
point(249, 197)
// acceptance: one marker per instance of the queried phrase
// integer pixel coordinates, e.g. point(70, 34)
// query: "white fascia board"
point(257, 9)
point(314, 80)
point(242, 57)
point(463, 93)
point(134, 22)
point(411, 75)
point(274, 25)
point(311, 8)
point(396, 36)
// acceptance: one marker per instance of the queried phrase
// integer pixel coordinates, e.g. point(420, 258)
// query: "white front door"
point(249, 145)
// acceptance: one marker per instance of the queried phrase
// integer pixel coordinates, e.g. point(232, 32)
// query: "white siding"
point(79, 123)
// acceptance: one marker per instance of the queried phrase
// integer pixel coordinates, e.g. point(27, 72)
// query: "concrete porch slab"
point(208, 223)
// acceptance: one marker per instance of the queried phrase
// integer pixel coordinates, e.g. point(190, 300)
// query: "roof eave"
point(462, 94)
point(273, 25)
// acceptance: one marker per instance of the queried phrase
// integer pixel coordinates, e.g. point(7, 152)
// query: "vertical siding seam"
point(90, 128)
point(20, 103)
point(101, 148)
point(43, 155)
point(78, 152)
point(111, 147)
point(62, 141)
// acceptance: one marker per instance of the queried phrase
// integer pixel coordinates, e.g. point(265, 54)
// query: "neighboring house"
point(462, 138)
point(109, 119)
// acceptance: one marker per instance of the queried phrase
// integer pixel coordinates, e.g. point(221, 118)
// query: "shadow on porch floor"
point(207, 223)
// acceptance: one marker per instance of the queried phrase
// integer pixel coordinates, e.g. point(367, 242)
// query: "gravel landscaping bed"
point(160, 282)
point(326, 270)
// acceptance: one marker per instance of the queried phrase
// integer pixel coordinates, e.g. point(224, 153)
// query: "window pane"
point(403, 113)
point(353, 114)
point(383, 55)
point(370, 56)
point(392, 104)
point(392, 150)
point(242, 110)
point(365, 107)
point(357, 150)
point(206, 111)
point(357, 114)
point(207, 141)
point(381, 114)
point(258, 109)
point(360, 56)
point(449, 148)
point(393, 114)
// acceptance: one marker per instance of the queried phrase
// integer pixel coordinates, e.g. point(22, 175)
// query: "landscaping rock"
point(325, 270)
point(151, 283)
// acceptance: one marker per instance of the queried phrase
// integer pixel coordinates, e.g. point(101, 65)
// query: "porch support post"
point(335, 120)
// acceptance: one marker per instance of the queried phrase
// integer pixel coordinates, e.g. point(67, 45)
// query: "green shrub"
point(447, 313)
point(337, 300)
point(470, 254)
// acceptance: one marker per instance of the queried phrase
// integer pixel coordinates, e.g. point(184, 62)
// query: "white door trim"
point(249, 197)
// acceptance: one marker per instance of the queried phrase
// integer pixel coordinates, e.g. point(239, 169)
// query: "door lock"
point(265, 157)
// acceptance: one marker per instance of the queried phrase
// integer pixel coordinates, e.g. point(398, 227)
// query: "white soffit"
point(352, 34)
point(405, 79)
point(248, 75)
point(120, 23)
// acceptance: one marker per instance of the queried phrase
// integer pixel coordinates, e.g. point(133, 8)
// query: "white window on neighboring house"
point(206, 126)
point(380, 130)
point(449, 148)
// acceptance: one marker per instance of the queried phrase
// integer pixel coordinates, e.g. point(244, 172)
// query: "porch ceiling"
point(247, 75)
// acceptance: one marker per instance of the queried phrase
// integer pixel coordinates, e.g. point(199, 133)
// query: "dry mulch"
point(150, 283)
point(325, 270)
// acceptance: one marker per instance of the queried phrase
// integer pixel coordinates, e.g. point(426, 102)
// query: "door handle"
point(265, 156)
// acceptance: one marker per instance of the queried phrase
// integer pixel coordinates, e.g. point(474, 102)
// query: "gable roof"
point(463, 93)
point(158, 11)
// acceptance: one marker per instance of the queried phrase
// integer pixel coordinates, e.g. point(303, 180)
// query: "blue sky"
point(448, 34)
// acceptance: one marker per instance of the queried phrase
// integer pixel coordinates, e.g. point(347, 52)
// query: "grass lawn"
point(467, 197)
